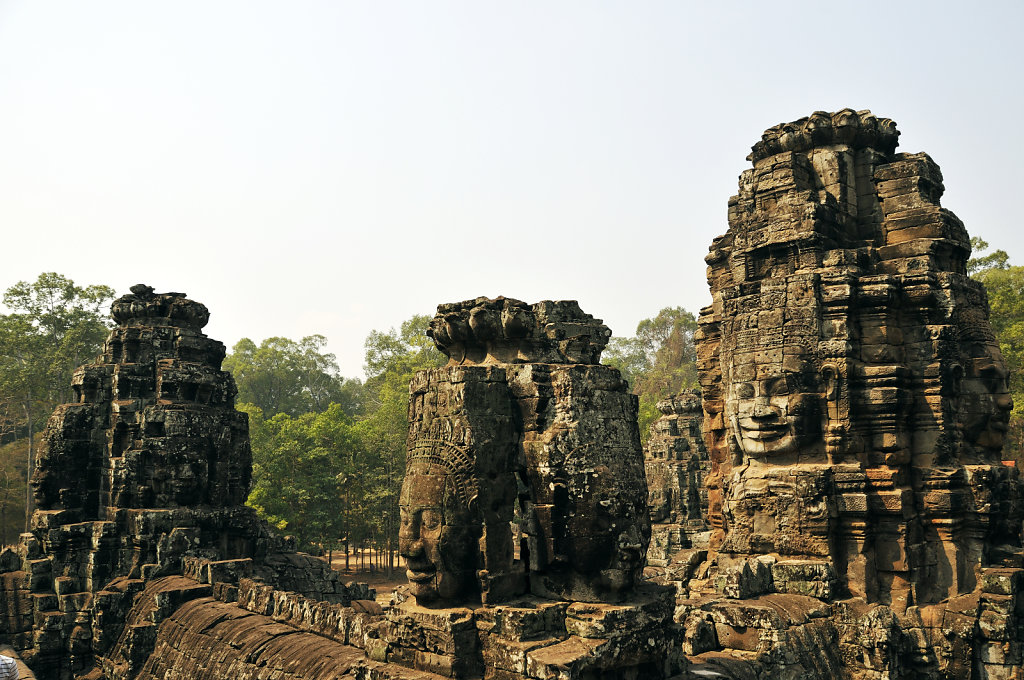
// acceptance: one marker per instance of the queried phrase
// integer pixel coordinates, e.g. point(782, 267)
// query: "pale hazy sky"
point(335, 167)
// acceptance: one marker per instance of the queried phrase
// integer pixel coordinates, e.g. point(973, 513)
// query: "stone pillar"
point(524, 404)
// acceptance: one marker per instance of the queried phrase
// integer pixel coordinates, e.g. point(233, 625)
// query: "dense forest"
point(329, 451)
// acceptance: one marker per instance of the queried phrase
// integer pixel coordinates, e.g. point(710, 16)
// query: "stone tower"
point(855, 392)
point(524, 424)
point(140, 486)
point(856, 400)
point(154, 423)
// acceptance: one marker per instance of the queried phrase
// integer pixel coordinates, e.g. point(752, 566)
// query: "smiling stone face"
point(774, 407)
point(438, 533)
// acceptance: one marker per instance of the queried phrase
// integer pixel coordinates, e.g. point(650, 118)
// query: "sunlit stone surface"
point(856, 404)
point(859, 522)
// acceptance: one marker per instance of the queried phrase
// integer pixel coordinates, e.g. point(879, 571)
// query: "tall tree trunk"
point(29, 466)
point(391, 552)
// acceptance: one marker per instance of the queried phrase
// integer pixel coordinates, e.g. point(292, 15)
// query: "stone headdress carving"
point(454, 460)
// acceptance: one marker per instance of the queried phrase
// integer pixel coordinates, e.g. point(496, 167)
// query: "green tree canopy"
point(299, 465)
point(333, 474)
point(53, 327)
point(659, 361)
point(405, 350)
point(392, 358)
point(284, 376)
point(997, 259)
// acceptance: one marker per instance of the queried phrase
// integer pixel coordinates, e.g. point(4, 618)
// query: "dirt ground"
point(377, 579)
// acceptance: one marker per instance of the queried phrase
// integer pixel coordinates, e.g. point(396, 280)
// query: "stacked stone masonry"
point(142, 562)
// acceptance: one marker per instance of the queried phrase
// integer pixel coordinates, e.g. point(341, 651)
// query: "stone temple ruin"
point(142, 562)
point(525, 426)
point(856, 403)
point(677, 464)
point(141, 539)
point(830, 504)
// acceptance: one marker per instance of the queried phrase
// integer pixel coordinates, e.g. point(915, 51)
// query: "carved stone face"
point(772, 410)
point(437, 536)
point(610, 532)
point(658, 504)
point(985, 401)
